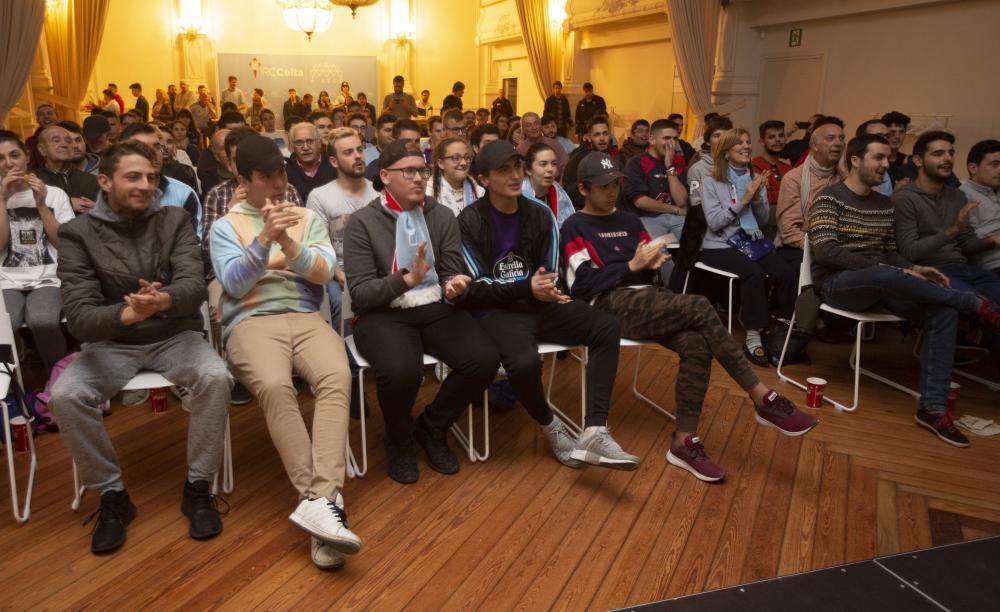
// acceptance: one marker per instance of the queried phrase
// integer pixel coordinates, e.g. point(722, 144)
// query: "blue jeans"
point(661, 225)
point(970, 277)
point(909, 297)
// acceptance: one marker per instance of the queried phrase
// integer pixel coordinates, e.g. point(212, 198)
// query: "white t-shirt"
point(334, 207)
point(29, 261)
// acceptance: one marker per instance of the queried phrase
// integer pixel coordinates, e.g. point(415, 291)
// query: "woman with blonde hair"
point(735, 205)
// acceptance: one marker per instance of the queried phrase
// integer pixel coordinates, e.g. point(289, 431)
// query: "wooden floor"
point(521, 531)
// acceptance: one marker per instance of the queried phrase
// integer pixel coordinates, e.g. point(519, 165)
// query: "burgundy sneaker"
point(692, 458)
point(779, 412)
point(989, 315)
point(942, 426)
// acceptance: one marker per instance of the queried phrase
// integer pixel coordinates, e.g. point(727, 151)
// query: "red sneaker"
point(989, 315)
point(779, 412)
point(692, 457)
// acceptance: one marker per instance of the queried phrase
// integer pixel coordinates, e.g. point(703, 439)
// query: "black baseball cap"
point(397, 150)
point(95, 126)
point(258, 153)
point(345, 84)
point(494, 155)
point(599, 169)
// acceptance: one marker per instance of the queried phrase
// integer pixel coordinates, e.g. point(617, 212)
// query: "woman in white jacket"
point(450, 183)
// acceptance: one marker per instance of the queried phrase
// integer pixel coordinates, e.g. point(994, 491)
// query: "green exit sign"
point(795, 37)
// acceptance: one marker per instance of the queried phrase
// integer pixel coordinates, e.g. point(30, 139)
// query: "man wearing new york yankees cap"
point(611, 262)
point(511, 248)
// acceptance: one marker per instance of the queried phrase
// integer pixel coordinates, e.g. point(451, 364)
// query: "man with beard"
point(531, 124)
point(635, 144)
point(557, 107)
point(335, 201)
point(597, 138)
point(983, 187)
point(772, 138)
point(856, 267)
point(550, 129)
point(932, 224)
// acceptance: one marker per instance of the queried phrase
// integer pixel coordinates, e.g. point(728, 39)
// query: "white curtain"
point(542, 41)
point(20, 29)
point(694, 29)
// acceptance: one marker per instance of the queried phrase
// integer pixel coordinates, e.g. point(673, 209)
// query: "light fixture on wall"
point(354, 5)
point(189, 20)
point(400, 28)
point(307, 16)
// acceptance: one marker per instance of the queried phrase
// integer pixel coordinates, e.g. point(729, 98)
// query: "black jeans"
point(517, 334)
point(394, 342)
point(754, 279)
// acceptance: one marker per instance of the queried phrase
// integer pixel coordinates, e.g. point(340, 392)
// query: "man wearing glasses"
point(175, 193)
point(403, 261)
point(308, 167)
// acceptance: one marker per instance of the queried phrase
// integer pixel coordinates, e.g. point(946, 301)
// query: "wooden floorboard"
point(522, 531)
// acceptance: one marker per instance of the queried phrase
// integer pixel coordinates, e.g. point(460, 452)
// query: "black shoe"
point(942, 426)
point(356, 392)
point(241, 396)
point(757, 356)
point(401, 462)
point(114, 515)
point(439, 455)
point(199, 507)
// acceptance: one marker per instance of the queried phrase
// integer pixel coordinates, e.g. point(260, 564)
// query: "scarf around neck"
point(411, 230)
point(810, 167)
point(739, 181)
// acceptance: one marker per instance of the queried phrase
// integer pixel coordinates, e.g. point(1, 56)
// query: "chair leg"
point(78, 489)
point(729, 312)
point(228, 482)
point(577, 429)
point(640, 396)
point(687, 277)
point(552, 378)
point(858, 371)
point(467, 441)
point(353, 469)
point(21, 513)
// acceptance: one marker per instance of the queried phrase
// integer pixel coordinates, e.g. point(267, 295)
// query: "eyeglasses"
point(411, 172)
point(458, 129)
point(457, 159)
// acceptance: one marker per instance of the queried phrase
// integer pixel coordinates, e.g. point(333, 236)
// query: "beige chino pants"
point(263, 351)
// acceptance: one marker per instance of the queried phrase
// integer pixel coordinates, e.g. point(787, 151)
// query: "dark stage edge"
point(959, 577)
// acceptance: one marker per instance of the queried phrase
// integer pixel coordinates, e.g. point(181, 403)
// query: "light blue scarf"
point(739, 181)
point(411, 230)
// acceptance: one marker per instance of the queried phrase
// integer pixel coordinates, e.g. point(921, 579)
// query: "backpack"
point(45, 420)
point(774, 340)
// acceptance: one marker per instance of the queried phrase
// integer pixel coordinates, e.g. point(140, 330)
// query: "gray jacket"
point(921, 219)
point(722, 216)
point(696, 176)
point(985, 220)
point(370, 244)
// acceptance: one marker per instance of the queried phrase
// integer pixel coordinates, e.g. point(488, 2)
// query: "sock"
point(753, 340)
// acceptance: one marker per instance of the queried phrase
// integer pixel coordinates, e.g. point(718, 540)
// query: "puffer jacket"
point(102, 256)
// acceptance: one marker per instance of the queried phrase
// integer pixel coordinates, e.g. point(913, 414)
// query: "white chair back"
point(805, 270)
point(346, 311)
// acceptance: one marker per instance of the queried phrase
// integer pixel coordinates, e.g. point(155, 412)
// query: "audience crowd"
point(472, 235)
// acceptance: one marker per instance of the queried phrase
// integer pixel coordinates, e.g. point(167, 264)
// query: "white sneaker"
point(325, 519)
point(324, 556)
point(441, 371)
point(135, 398)
point(183, 394)
point(562, 442)
point(597, 447)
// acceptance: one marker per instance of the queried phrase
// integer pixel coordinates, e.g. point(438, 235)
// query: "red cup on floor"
point(953, 395)
point(19, 432)
point(158, 399)
point(814, 392)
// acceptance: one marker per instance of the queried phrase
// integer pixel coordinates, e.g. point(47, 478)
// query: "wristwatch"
point(672, 171)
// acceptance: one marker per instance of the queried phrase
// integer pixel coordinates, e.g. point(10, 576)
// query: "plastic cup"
point(19, 432)
point(953, 395)
point(814, 391)
point(158, 399)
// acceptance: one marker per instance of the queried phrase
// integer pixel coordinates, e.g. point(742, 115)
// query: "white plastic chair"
point(805, 280)
point(727, 275)
point(989, 384)
point(467, 441)
point(151, 380)
point(22, 512)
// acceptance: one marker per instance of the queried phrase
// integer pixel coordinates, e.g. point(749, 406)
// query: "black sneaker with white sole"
point(942, 426)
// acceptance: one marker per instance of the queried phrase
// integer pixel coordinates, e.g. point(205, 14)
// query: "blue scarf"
point(411, 230)
point(739, 181)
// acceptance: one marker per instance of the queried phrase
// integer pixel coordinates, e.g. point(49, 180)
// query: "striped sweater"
point(850, 232)
point(257, 280)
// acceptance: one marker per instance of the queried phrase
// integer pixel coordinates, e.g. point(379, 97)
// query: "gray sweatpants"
point(103, 368)
point(42, 308)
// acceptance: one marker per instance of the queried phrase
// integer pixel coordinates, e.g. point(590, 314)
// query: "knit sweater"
point(921, 220)
point(850, 232)
point(258, 280)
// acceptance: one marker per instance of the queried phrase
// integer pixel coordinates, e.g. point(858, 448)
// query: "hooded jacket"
point(102, 256)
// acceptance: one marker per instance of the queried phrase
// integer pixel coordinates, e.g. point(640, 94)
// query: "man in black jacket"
point(511, 247)
point(133, 284)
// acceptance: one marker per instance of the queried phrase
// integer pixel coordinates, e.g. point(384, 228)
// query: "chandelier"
point(308, 16)
point(354, 5)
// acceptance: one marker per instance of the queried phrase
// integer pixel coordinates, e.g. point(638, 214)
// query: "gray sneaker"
point(561, 441)
point(597, 447)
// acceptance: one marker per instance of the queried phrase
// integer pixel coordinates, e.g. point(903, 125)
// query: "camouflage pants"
point(689, 326)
